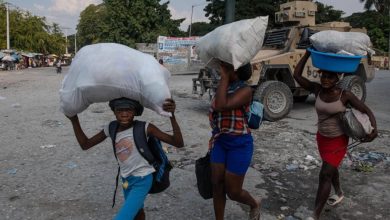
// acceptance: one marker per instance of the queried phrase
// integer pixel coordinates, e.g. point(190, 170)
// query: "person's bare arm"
point(305, 83)
point(359, 105)
point(223, 101)
point(176, 139)
point(85, 142)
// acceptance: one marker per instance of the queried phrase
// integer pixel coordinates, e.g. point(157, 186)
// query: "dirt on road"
point(44, 174)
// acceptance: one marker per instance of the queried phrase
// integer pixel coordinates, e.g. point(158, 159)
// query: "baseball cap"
point(126, 103)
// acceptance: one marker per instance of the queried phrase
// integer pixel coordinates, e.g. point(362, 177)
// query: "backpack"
point(255, 114)
point(150, 149)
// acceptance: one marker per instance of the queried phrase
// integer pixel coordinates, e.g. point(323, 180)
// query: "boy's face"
point(124, 116)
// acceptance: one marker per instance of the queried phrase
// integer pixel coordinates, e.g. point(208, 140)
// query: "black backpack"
point(151, 150)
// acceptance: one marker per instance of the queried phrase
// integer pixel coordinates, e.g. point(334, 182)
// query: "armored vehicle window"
point(304, 42)
point(276, 38)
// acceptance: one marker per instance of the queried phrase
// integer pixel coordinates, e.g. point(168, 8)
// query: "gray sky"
point(66, 12)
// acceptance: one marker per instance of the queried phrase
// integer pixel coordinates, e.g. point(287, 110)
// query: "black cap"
point(126, 103)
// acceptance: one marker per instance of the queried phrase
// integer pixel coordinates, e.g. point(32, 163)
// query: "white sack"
point(364, 120)
point(355, 43)
point(106, 71)
point(235, 43)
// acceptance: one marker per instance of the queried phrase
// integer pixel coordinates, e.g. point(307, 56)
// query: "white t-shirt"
point(130, 160)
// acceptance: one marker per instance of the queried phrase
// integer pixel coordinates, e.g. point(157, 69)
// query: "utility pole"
point(230, 8)
point(7, 8)
point(75, 43)
point(192, 13)
point(190, 33)
point(66, 39)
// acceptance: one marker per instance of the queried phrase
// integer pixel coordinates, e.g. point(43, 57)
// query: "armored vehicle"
point(274, 64)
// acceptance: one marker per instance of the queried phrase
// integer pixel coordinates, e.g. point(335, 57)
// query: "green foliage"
point(383, 6)
point(92, 27)
point(200, 28)
point(71, 48)
point(326, 13)
point(126, 22)
point(30, 33)
point(377, 26)
point(245, 9)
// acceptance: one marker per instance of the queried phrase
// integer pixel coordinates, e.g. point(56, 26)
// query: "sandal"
point(335, 199)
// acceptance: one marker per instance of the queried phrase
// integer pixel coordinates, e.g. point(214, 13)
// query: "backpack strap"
point(141, 141)
point(112, 129)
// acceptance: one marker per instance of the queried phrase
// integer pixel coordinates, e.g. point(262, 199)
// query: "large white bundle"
point(106, 71)
point(236, 43)
point(354, 43)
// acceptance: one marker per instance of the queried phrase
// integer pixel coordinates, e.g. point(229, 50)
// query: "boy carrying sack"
point(137, 173)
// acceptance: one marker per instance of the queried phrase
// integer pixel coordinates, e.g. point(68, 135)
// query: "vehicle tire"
point(356, 85)
point(276, 98)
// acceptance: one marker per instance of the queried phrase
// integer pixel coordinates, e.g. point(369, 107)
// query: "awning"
point(28, 55)
point(37, 54)
point(52, 56)
point(8, 58)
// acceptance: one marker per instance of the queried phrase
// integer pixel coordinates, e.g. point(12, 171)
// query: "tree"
point(30, 33)
point(245, 9)
point(200, 28)
point(126, 22)
point(382, 6)
point(93, 27)
point(376, 24)
point(326, 13)
point(3, 42)
point(130, 22)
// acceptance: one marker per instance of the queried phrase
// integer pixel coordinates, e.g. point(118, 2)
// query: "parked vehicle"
point(273, 66)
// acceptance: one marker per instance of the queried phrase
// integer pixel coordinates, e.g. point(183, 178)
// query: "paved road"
point(378, 98)
point(45, 175)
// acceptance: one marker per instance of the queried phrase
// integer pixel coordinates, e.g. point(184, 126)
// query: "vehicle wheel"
point(356, 85)
point(276, 98)
point(300, 98)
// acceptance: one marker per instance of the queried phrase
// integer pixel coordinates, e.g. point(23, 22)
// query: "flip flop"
point(335, 199)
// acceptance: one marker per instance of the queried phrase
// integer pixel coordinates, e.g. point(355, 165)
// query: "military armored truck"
point(274, 64)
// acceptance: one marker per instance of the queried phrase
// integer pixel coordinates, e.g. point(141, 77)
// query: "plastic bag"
point(106, 71)
point(356, 124)
point(255, 114)
point(235, 43)
point(203, 176)
point(355, 43)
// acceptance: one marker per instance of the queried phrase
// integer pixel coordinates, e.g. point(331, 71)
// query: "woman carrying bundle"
point(331, 140)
